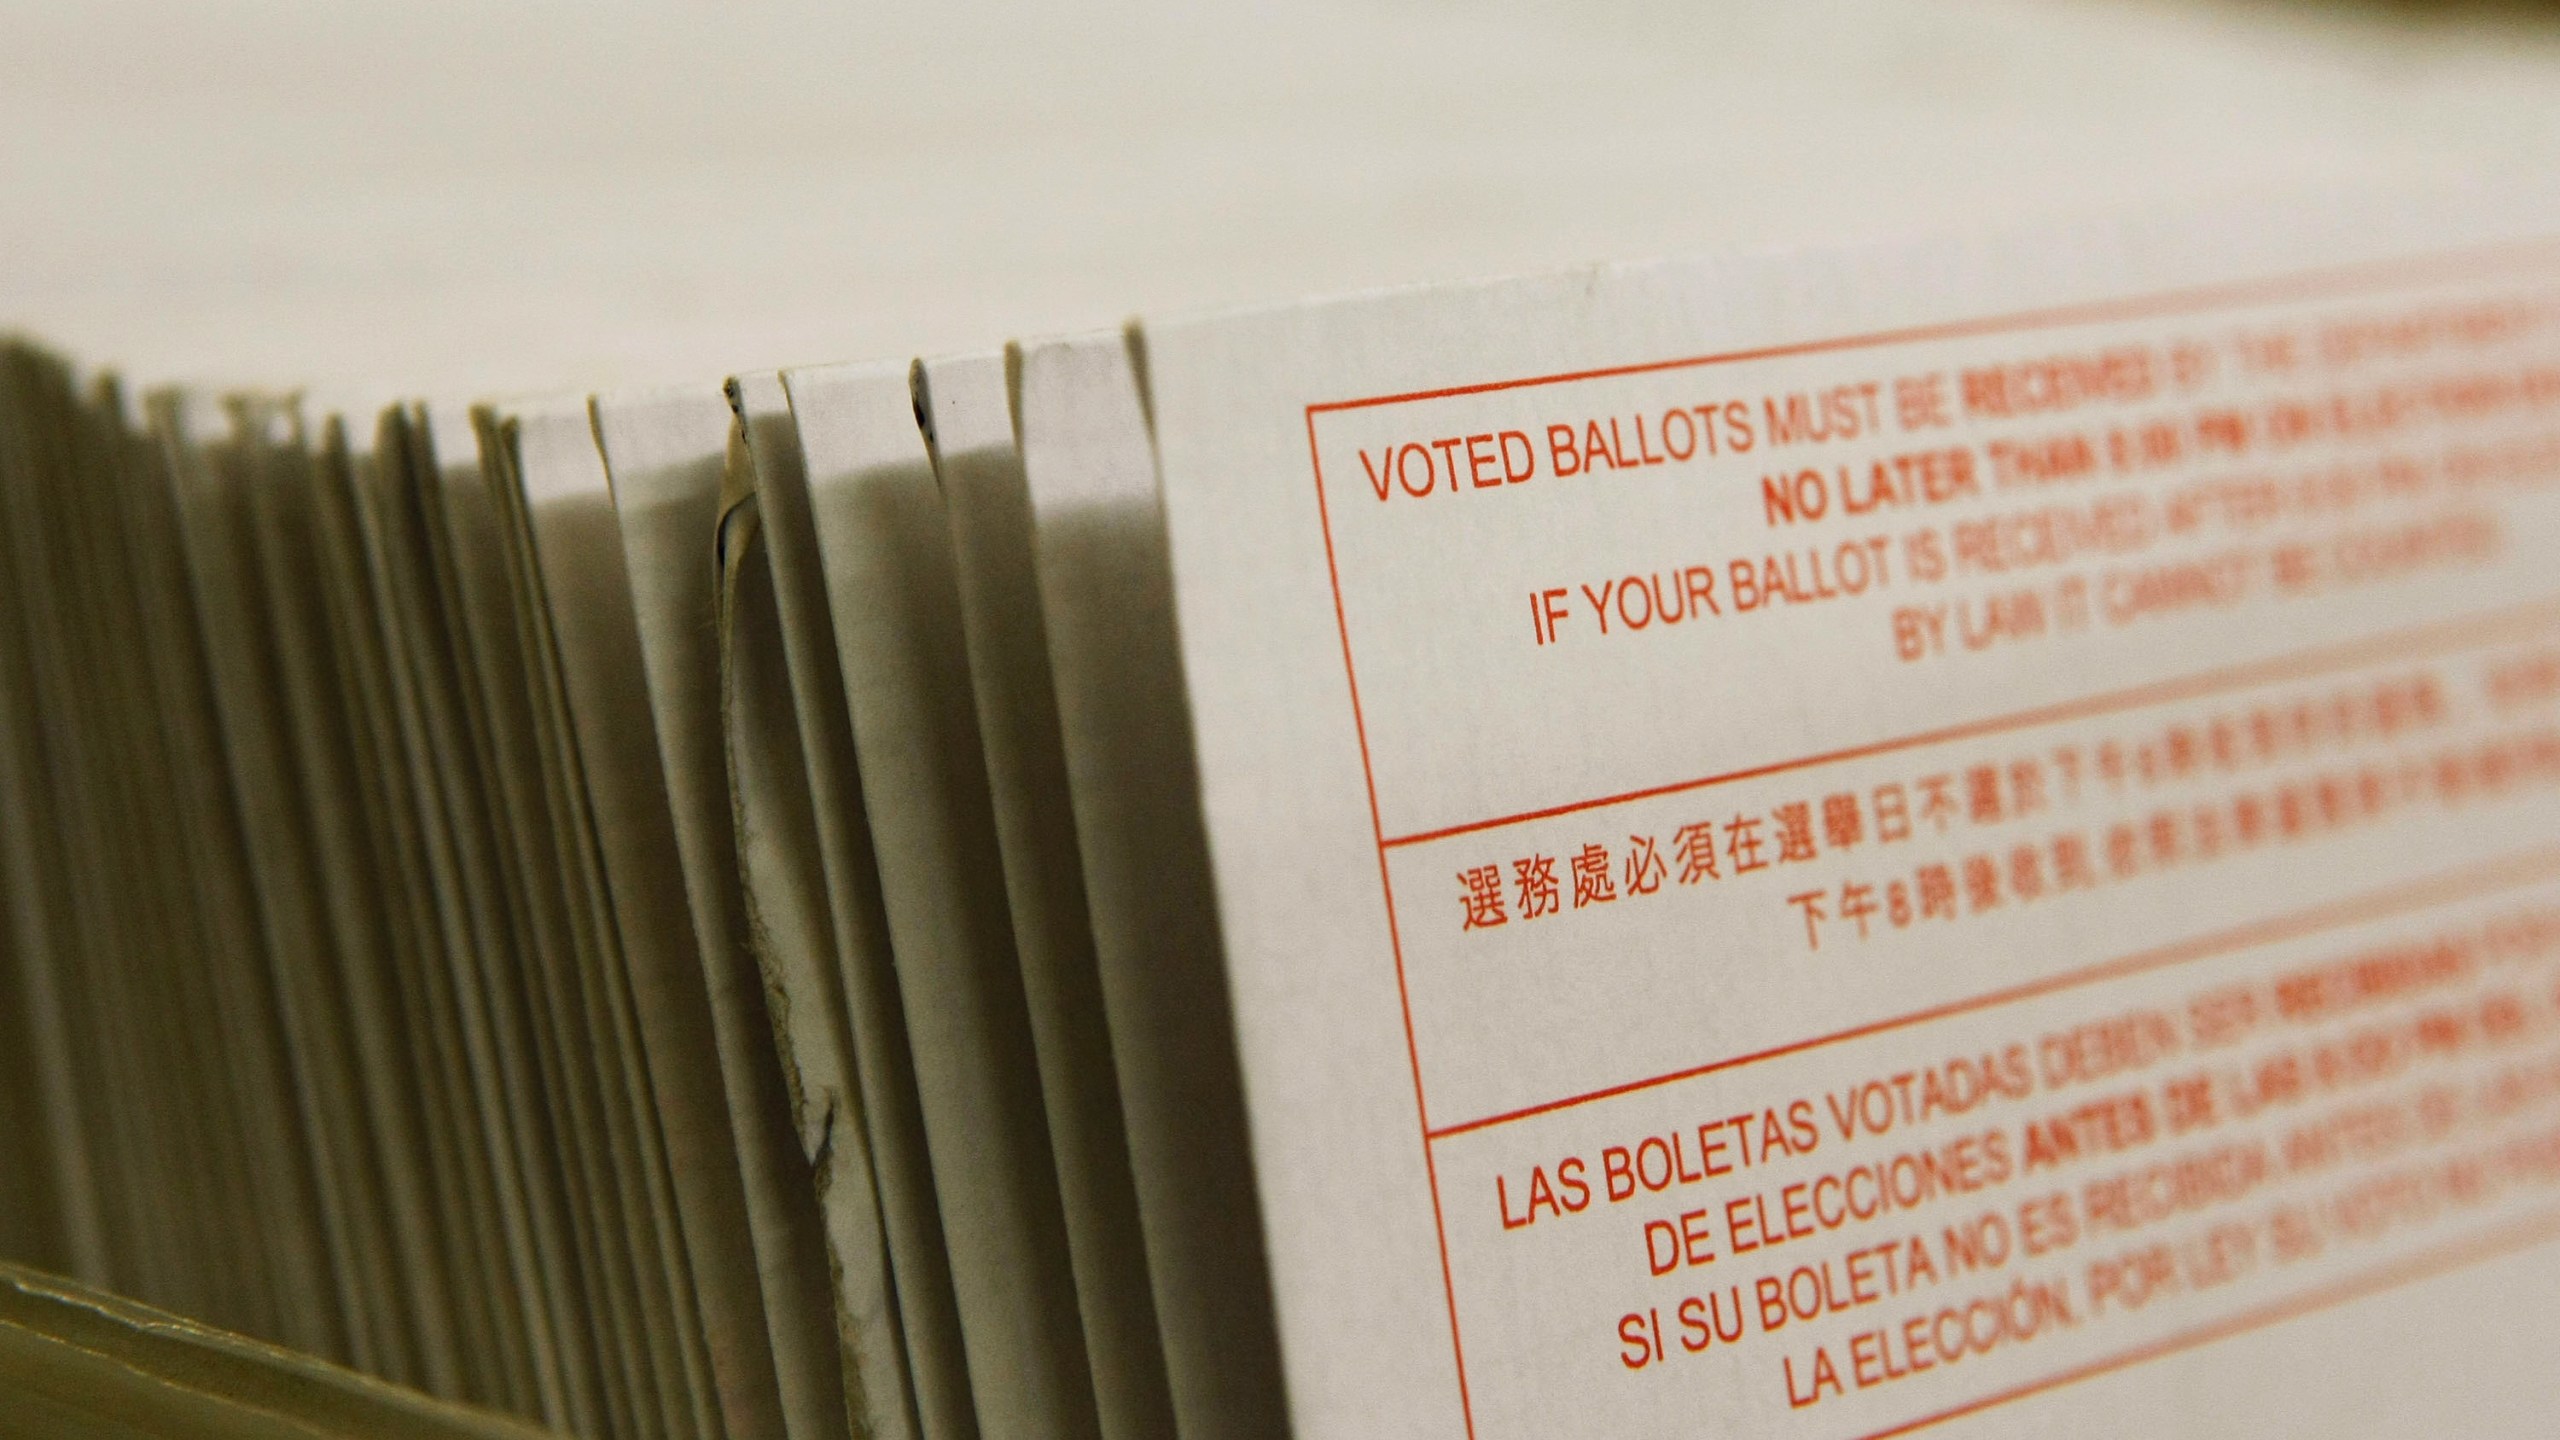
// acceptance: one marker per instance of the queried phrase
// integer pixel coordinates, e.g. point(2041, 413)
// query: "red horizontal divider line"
point(2469, 632)
point(2426, 1264)
point(2502, 874)
point(2341, 279)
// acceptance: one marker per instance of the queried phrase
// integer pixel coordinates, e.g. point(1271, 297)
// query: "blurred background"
point(485, 197)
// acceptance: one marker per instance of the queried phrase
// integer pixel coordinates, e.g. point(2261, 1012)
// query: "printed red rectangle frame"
point(2320, 283)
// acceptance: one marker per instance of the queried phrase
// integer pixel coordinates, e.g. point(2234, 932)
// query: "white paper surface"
point(966, 410)
point(1106, 605)
point(812, 879)
point(669, 1141)
point(2187, 1067)
point(896, 609)
point(774, 1337)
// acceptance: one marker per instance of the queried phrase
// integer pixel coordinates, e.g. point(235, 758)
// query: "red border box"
point(2466, 633)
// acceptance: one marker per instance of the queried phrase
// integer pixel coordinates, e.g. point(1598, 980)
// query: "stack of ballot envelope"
point(1957, 825)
